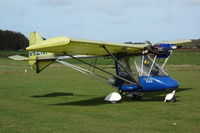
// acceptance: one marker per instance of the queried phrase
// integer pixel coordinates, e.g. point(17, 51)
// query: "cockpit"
point(146, 70)
point(138, 66)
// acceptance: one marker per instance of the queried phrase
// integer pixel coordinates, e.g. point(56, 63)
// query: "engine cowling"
point(161, 50)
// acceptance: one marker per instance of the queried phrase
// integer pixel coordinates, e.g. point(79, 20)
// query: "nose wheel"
point(170, 97)
point(172, 100)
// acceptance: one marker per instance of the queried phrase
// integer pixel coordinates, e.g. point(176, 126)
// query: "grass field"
point(61, 100)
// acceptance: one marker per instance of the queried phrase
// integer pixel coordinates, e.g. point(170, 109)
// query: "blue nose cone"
point(158, 83)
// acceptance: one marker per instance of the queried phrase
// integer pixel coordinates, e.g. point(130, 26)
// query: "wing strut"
point(117, 61)
point(101, 69)
point(84, 71)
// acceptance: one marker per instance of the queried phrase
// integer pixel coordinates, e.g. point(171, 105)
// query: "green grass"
point(182, 57)
point(62, 100)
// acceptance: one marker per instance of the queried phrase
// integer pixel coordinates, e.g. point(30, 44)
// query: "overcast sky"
point(104, 20)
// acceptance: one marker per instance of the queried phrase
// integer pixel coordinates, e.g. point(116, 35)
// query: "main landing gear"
point(135, 95)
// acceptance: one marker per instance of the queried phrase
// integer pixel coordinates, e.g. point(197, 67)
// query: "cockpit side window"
point(147, 66)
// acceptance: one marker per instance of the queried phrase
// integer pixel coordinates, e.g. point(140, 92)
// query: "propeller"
point(148, 42)
point(149, 46)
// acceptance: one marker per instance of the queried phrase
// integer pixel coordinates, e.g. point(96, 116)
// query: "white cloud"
point(193, 2)
point(56, 2)
point(118, 20)
point(13, 9)
point(167, 17)
point(111, 10)
point(131, 3)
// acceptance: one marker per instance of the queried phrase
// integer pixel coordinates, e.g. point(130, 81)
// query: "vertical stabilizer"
point(34, 38)
point(39, 60)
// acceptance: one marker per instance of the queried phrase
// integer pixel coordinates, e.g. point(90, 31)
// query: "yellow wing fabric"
point(87, 47)
point(177, 42)
point(84, 47)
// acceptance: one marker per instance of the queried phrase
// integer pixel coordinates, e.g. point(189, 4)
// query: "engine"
point(161, 50)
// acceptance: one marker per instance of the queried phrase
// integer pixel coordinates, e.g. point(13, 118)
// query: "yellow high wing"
point(179, 42)
point(42, 52)
point(87, 47)
point(84, 47)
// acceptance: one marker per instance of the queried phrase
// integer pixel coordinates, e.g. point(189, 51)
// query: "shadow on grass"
point(148, 97)
point(88, 102)
point(183, 89)
point(100, 101)
point(54, 94)
point(160, 95)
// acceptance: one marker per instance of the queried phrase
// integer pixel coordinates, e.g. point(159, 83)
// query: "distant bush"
point(195, 44)
point(10, 40)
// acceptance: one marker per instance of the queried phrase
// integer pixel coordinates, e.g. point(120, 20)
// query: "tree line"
point(10, 40)
point(195, 44)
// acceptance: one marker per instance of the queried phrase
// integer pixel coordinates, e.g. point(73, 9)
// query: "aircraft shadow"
point(157, 93)
point(54, 94)
point(183, 89)
point(160, 95)
point(100, 101)
point(148, 97)
point(87, 102)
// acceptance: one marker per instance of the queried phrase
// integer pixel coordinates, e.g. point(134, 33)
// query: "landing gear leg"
point(120, 92)
point(136, 97)
point(172, 100)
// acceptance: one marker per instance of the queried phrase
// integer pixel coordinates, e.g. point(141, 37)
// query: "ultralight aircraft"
point(139, 67)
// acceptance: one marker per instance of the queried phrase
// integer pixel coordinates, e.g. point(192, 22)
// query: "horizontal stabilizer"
point(23, 58)
point(18, 57)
